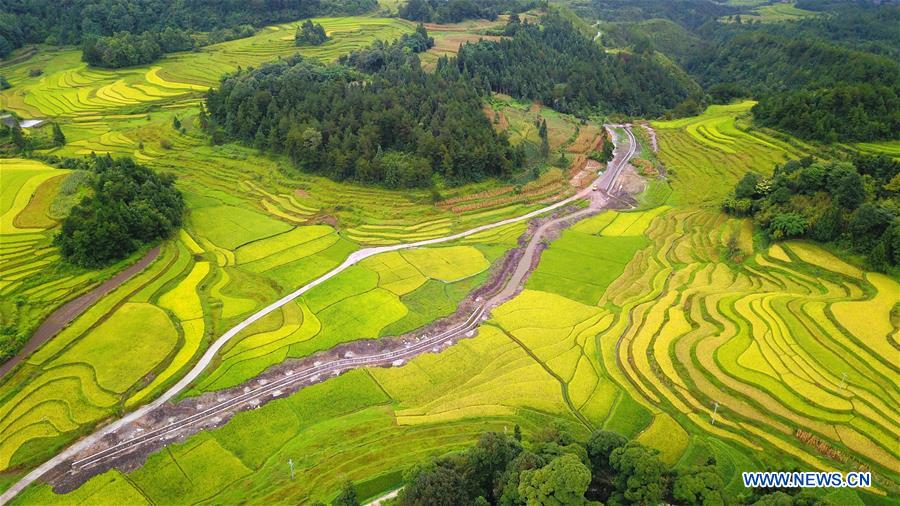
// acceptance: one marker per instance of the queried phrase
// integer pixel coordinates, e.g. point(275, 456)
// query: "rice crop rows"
point(705, 155)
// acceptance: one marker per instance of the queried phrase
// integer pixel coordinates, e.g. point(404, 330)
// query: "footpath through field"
point(606, 182)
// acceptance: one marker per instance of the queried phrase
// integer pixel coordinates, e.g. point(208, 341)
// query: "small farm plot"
point(581, 264)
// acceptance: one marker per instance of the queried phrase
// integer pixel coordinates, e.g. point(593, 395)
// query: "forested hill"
point(813, 88)
point(398, 127)
point(761, 62)
point(872, 29)
point(555, 63)
point(71, 22)
point(690, 14)
point(831, 77)
point(454, 11)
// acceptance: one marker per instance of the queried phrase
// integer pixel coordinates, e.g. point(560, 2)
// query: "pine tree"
point(59, 139)
point(203, 117)
point(545, 141)
point(347, 497)
point(18, 139)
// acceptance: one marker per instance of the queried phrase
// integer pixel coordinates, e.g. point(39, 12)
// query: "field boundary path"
point(64, 314)
point(606, 181)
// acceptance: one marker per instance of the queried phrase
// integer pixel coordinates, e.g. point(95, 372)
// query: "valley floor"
point(669, 323)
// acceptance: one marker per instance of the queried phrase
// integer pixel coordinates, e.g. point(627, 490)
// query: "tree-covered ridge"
point(690, 14)
point(846, 112)
point(860, 26)
point(831, 77)
point(811, 88)
point(855, 205)
point(129, 206)
point(125, 49)
point(399, 127)
point(375, 57)
point(71, 22)
point(454, 11)
point(559, 66)
point(762, 62)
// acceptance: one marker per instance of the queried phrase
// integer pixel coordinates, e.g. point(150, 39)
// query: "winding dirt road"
point(598, 199)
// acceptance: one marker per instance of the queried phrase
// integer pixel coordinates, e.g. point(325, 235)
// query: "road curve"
point(609, 177)
point(605, 182)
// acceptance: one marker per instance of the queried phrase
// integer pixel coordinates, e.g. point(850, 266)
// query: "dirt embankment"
point(652, 134)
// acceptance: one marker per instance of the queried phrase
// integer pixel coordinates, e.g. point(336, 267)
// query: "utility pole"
point(291, 464)
point(715, 410)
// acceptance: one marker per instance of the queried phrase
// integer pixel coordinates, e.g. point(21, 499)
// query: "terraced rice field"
point(886, 148)
point(93, 365)
point(213, 275)
point(778, 12)
point(676, 329)
point(776, 347)
point(32, 281)
point(120, 111)
point(705, 155)
point(251, 234)
point(633, 321)
point(398, 291)
point(68, 88)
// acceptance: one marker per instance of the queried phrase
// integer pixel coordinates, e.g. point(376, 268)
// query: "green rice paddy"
point(776, 12)
point(705, 155)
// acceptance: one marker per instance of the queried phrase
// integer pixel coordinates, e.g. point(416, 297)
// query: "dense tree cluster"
point(762, 62)
point(832, 77)
point(454, 11)
point(72, 22)
point(310, 34)
point(373, 58)
point(805, 75)
point(555, 469)
point(856, 205)
point(129, 206)
point(861, 26)
point(561, 67)
point(124, 49)
point(662, 35)
point(399, 126)
point(811, 88)
point(14, 140)
point(846, 112)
